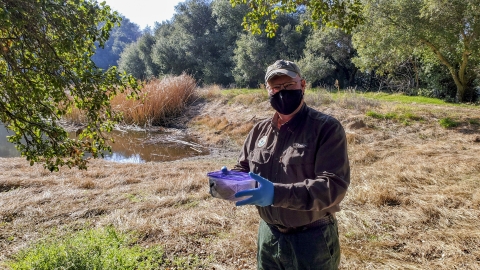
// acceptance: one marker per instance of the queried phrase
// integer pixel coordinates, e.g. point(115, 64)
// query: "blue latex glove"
point(262, 196)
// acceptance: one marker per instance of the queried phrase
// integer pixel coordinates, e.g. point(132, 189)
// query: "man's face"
point(285, 82)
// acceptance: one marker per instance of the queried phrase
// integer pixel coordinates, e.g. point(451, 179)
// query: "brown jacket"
point(307, 161)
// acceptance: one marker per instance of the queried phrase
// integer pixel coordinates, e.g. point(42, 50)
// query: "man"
point(299, 159)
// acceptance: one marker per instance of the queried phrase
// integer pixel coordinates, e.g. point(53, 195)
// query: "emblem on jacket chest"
point(262, 141)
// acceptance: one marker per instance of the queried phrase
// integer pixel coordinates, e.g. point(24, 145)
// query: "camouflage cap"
point(282, 67)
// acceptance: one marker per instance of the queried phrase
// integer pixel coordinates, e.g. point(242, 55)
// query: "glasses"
point(284, 86)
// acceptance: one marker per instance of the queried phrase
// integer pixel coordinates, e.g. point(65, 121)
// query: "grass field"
point(413, 203)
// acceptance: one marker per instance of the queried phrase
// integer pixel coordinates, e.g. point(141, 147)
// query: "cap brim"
point(278, 72)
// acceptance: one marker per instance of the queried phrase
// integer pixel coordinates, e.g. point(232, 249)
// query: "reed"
point(160, 101)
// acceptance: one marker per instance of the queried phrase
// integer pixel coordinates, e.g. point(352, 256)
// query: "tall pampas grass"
point(160, 100)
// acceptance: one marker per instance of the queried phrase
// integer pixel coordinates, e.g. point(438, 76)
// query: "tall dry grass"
point(160, 101)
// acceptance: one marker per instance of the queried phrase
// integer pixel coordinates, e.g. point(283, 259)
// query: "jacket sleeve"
point(332, 171)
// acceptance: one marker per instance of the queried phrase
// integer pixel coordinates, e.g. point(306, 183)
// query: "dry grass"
point(210, 92)
point(167, 203)
point(414, 200)
point(160, 100)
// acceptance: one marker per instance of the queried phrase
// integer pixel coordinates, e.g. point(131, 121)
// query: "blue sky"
point(144, 12)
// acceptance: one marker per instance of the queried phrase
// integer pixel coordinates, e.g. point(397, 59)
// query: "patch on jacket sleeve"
point(262, 141)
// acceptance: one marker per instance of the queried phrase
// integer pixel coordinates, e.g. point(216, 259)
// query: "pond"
point(134, 146)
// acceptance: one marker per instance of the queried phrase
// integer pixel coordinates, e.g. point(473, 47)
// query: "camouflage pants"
point(315, 248)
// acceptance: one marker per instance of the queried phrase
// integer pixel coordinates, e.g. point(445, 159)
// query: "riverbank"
point(414, 200)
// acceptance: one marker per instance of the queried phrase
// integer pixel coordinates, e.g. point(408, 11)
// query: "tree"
point(328, 57)
point(254, 53)
point(344, 14)
point(193, 42)
point(251, 57)
point(120, 36)
point(136, 58)
point(131, 62)
point(438, 32)
point(46, 71)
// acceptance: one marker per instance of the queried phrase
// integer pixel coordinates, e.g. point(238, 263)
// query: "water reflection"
point(135, 158)
point(7, 149)
point(133, 146)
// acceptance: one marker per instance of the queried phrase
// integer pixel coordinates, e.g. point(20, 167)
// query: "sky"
point(144, 12)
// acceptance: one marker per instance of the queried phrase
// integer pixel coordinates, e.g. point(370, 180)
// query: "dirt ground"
point(413, 202)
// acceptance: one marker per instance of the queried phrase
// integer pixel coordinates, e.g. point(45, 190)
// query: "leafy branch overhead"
point(343, 14)
point(46, 71)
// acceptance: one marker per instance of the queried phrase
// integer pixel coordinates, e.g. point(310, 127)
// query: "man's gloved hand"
point(262, 196)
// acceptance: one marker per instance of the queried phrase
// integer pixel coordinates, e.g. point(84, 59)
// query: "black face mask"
point(286, 101)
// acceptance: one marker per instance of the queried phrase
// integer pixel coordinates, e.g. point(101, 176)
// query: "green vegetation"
point(448, 122)
point(121, 36)
point(389, 115)
point(96, 249)
point(340, 14)
point(474, 121)
point(439, 43)
point(400, 114)
point(411, 50)
point(403, 98)
point(46, 71)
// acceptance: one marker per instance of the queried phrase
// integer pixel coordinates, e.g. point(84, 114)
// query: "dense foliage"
point(121, 36)
point(46, 70)
point(437, 33)
point(424, 47)
point(344, 14)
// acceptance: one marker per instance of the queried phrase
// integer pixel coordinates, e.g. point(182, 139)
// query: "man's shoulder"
point(315, 115)
point(263, 122)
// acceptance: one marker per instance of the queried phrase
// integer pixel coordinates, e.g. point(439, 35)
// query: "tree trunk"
point(459, 76)
point(460, 92)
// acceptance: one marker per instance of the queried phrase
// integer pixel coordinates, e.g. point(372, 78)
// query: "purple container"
point(224, 184)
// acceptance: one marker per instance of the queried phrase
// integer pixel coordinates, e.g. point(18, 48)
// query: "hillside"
point(413, 203)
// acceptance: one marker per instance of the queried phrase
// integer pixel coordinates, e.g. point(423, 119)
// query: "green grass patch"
point(404, 99)
point(448, 122)
point(474, 121)
point(406, 117)
point(96, 249)
point(376, 115)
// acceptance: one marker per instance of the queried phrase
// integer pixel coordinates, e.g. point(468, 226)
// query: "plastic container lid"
point(230, 175)
point(224, 184)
